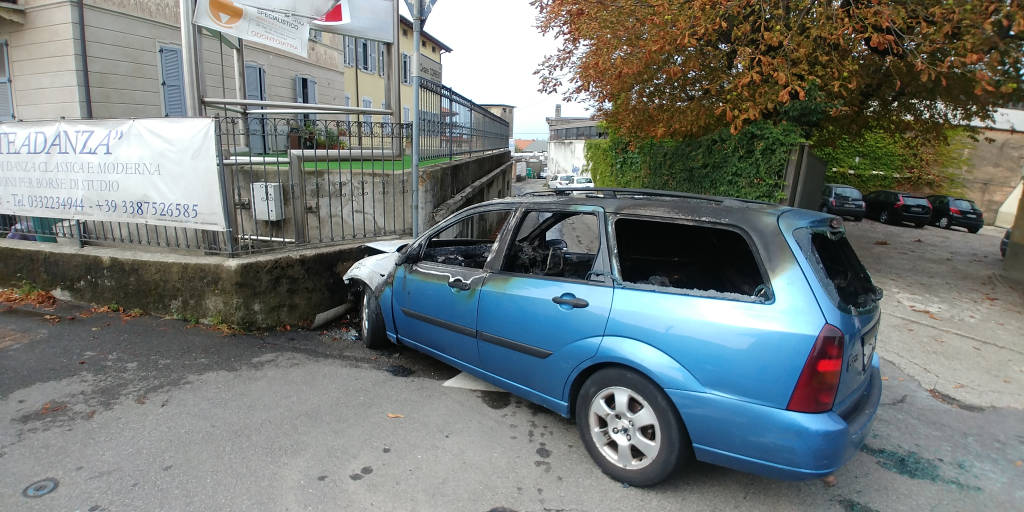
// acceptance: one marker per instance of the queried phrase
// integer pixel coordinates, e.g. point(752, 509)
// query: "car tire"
point(919, 225)
point(944, 223)
point(371, 321)
point(884, 217)
point(662, 431)
point(973, 230)
point(858, 219)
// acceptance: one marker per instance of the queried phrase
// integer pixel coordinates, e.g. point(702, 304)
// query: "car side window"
point(694, 259)
point(467, 242)
point(555, 244)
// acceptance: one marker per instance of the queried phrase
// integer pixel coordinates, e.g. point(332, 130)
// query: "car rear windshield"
point(584, 180)
point(915, 201)
point(851, 194)
point(961, 204)
point(565, 178)
point(837, 268)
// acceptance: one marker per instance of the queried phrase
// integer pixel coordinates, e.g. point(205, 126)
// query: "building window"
point(405, 33)
point(367, 118)
point(305, 92)
point(433, 49)
point(367, 53)
point(380, 60)
point(406, 69)
point(406, 115)
point(6, 98)
point(350, 51)
point(316, 35)
point(348, 103)
point(172, 81)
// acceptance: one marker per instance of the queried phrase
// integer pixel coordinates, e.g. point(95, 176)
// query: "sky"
point(496, 48)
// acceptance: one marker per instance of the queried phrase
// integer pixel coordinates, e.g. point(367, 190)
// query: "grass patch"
point(370, 165)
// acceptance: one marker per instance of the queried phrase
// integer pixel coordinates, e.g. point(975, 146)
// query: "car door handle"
point(574, 302)
point(459, 284)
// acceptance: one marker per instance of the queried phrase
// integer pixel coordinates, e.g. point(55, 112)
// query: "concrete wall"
point(995, 169)
point(564, 154)
point(255, 292)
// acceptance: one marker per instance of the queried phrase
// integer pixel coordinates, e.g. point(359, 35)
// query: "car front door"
point(544, 310)
point(438, 288)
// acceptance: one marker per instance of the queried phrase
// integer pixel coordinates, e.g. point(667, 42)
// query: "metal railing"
point(452, 125)
point(303, 178)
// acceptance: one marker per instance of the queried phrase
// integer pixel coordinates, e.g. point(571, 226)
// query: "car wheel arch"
point(614, 353)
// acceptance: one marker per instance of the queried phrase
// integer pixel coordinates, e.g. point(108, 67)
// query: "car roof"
point(653, 203)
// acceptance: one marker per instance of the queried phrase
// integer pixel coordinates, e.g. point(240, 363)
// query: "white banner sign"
point(369, 19)
point(307, 8)
point(272, 28)
point(150, 171)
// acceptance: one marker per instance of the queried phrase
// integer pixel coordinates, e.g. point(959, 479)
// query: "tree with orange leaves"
point(682, 68)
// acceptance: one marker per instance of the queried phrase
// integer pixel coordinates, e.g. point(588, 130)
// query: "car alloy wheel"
point(630, 427)
point(624, 428)
point(944, 223)
point(883, 217)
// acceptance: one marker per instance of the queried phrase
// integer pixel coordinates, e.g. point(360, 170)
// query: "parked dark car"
point(891, 207)
point(949, 211)
point(1005, 242)
point(755, 352)
point(842, 200)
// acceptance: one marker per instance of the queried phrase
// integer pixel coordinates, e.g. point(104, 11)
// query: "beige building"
point(506, 112)
point(132, 51)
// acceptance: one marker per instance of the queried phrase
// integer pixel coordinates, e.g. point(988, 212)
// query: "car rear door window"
point(468, 242)
point(962, 204)
point(915, 201)
point(849, 194)
point(693, 259)
point(555, 244)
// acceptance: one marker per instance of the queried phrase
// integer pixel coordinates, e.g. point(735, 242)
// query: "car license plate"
point(851, 205)
point(971, 215)
point(867, 347)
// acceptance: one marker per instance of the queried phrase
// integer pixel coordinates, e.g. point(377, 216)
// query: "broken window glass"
point(468, 242)
point(699, 260)
point(555, 244)
point(844, 277)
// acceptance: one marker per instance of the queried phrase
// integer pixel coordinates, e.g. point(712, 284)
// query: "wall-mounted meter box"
point(266, 201)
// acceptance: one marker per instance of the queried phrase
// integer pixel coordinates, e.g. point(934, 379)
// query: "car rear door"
point(544, 311)
point(437, 291)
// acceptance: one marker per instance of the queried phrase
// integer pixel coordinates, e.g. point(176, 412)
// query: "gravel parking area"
point(950, 320)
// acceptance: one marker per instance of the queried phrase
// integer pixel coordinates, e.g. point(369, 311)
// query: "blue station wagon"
point(669, 326)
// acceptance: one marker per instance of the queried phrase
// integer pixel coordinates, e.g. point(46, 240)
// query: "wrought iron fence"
point(304, 179)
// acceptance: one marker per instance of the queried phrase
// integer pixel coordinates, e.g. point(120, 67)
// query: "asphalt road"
point(153, 414)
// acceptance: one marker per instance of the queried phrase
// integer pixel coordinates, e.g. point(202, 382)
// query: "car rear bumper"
point(775, 442)
point(917, 218)
point(964, 222)
point(846, 211)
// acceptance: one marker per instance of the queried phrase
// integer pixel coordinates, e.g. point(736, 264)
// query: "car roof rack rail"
point(637, 193)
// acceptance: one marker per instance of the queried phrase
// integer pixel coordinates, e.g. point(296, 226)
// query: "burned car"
point(669, 326)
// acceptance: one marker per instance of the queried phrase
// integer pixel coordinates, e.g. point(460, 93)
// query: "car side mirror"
point(410, 255)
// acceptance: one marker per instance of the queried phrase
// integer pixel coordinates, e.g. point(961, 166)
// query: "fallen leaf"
point(1019, 463)
point(829, 481)
point(393, 416)
point(1006, 381)
point(881, 242)
point(81, 362)
point(991, 298)
point(91, 414)
point(885, 378)
point(933, 317)
point(141, 400)
point(957, 386)
point(919, 241)
point(900, 379)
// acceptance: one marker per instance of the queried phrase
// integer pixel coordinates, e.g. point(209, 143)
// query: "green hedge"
point(750, 165)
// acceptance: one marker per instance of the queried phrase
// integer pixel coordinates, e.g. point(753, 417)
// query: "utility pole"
point(190, 66)
point(417, 29)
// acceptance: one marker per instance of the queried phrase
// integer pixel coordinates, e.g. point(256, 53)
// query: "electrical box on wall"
point(266, 201)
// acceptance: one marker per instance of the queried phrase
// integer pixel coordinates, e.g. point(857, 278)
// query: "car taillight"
point(929, 204)
point(816, 388)
point(954, 211)
point(833, 201)
point(899, 203)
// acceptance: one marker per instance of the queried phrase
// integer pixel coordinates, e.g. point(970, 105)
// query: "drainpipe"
point(85, 60)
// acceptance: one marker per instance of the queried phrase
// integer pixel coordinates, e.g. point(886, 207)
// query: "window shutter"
point(173, 81)
point(6, 99)
point(253, 82)
point(371, 56)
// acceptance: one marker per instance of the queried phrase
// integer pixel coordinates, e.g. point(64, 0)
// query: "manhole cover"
point(40, 488)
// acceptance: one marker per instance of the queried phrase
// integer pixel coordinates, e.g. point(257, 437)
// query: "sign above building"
point(368, 19)
point(425, 7)
point(148, 171)
point(305, 8)
point(270, 27)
